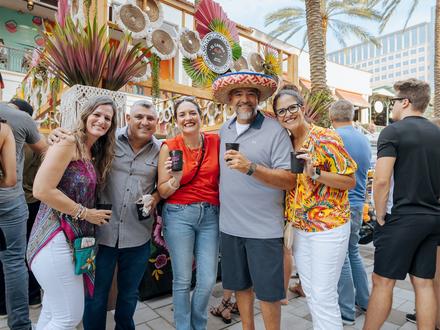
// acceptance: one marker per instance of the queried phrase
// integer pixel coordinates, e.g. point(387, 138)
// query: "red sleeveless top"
point(204, 186)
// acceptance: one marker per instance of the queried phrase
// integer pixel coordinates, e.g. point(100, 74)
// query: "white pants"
point(319, 257)
point(63, 299)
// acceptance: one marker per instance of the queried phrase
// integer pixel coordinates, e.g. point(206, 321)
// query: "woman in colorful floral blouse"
point(318, 208)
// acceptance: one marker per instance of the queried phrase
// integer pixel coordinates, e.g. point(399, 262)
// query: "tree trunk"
point(437, 61)
point(316, 46)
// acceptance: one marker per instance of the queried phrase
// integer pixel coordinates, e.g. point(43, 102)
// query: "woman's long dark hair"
point(103, 149)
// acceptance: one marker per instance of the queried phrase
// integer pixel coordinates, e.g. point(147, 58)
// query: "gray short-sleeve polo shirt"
point(249, 208)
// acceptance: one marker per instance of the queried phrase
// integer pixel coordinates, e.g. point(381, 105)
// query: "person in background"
point(406, 241)
point(353, 283)
point(8, 164)
point(14, 215)
point(66, 184)
point(190, 214)
point(318, 207)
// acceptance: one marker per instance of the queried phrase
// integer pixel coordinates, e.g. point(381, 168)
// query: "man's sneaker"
point(3, 316)
point(347, 321)
point(411, 318)
point(363, 310)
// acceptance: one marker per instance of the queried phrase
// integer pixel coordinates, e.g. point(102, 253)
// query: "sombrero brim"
point(224, 84)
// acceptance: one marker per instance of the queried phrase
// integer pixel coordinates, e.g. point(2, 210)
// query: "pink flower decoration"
point(161, 261)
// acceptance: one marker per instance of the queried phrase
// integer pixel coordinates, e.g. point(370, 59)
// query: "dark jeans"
point(34, 287)
point(132, 263)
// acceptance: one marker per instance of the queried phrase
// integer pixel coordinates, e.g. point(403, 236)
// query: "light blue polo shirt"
point(249, 208)
point(358, 147)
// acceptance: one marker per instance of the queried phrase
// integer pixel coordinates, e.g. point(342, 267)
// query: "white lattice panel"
point(74, 100)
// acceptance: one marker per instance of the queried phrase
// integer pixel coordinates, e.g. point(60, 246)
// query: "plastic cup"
point(232, 146)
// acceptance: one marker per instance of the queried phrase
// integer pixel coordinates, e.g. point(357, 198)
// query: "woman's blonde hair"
point(103, 149)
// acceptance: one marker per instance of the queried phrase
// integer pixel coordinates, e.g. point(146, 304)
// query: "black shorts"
point(253, 263)
point(406, 244)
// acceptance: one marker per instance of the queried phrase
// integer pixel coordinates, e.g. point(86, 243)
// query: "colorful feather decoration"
point(210, 17)
point(272, 63)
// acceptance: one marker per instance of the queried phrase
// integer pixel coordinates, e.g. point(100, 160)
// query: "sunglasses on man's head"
point(393, 100)
point(292, 109)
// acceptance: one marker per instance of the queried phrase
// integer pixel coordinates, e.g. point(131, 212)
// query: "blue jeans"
point(192, 231)
point(132, 263)
point(353, 283)
point(13, 217)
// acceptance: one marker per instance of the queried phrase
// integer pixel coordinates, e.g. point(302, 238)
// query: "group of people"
point(229, 201)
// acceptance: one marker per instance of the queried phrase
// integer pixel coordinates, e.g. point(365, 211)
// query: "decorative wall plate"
point(131, 18)
point(217, 52)
point(189, 43)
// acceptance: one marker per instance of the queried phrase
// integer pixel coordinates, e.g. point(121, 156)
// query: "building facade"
point(403, 54)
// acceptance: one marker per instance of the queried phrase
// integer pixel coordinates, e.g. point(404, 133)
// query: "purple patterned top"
point(79, 184)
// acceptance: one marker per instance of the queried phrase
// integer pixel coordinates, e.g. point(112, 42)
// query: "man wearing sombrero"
point(252, 184)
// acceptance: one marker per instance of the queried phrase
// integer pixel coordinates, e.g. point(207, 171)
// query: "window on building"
point(384, 68)
point(399, 41)
point(392, 42)
point(391, 66)
point(421, 49)
point(353, 55)
point(422, 59)
point(341, 58)
point(413, 61)
point(413, 70)
point(376, 78)
point(413, 51)
point(391, 75)
point(421, 77)
point(370, 70)
point(422, 34)
point(384, 77)
point(376, 61)
point(398, 55)
point(397, 65)
point(421, 68)
point(405, 53)
point(384, 46)
point(364, 65)
point(414, 39)
point(359, 53)
point(377, 51)
point(376, 70)
point(364, 52)
point(405, 72)
point(371, 46)
point(384, 59)
point(370, 63)
point(406, 40)
point(405, 62)
point(398, 74)
point(390, 58)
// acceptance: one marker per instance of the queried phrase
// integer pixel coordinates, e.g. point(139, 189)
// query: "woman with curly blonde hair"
point(66, 184)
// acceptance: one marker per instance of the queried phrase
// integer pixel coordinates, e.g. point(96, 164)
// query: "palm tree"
point(315, 38)
point(389, 7)
point(335, 15)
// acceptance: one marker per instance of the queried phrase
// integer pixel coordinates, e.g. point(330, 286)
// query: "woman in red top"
point(190, 214)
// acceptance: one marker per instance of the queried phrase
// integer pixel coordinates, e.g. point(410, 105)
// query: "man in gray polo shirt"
point(252, 184)
point(14, 215)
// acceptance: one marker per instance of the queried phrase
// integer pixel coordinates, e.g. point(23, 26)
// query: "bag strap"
point(199, 164)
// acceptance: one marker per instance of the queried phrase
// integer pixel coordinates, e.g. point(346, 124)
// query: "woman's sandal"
point(223, 310)
point(234, 308)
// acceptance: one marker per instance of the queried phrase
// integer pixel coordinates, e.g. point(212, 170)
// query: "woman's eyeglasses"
point(292, 109)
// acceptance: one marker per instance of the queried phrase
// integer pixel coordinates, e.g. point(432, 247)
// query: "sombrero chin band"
point(223, 85)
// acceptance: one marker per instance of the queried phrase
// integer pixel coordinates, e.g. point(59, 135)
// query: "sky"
point(252, 12)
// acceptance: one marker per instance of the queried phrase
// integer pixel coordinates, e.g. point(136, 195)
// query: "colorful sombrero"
point(224, 84)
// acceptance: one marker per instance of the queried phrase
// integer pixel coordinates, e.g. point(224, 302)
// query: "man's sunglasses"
point(292, 109)
point(393, 100)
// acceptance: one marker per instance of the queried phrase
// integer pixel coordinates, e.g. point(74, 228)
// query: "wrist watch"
point(252, 169)
point(316, 174)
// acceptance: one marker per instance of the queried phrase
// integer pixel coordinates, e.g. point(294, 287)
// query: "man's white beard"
point(245, 115)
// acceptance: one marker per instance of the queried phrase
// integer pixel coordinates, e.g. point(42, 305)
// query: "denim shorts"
point(253, 263)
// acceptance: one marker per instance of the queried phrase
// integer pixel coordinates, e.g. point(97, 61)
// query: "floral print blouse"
point(320, 207)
